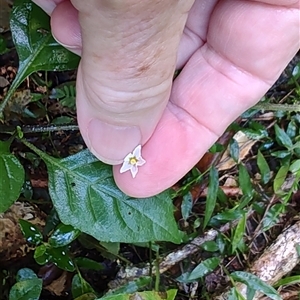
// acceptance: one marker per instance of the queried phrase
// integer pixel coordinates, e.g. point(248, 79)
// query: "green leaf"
point(212, 194)
point(85, 196)
point(295, 166)
point(256, 132)
point(150, 295)
point(88, 296)
point(37, 49)
point(204, 268)
point(31, 232)
point(216, 148)
point(51, 222)
point(187, 205)
point(245, 181)
point(282, 138)
point(255, 283)
point(280, 177)
point(239, 233)
point(40, 255)
point(235, 295)
point(61, 258)
point(250, 293)
point(264, 168)
point(292, 129)
point(281, 153)
point(63, 235)
point(226, 216)
point(132, 286)
point(113, 248)
point(234, 150)
point(222, 197)
point(292, 280)
point(271, 217)
point(62, 120)
point(84, 262)
point(210, 246)
point(80, 287)
point(3, 45)
point(28, 286)
point(25, 274)
point(12, 177)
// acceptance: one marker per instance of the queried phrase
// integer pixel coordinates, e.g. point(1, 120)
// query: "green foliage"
point(85, 189)
point(63, 236)
point(253, 283)
point(288, 281)
point(66, 94)
point(12, 177)
point(80, 288)
point(280, 177)
point(255, 131)
point(27, 287)
point(234, 150)
point(85, 196)
point(37, 49)
point(245, 183)
point(132, 286)
point(3, 45)
point(87, 263)
point(212, 194)
point(239, 233)
point(204, 268)
point(264, 168)
point(31, 232)
point(186, 206)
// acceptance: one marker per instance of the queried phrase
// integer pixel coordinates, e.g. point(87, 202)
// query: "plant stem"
point(38, 128)
point(277, 107)
point(35, 149)
point(157, 273)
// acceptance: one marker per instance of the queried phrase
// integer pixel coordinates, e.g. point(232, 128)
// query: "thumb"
point(125, 74)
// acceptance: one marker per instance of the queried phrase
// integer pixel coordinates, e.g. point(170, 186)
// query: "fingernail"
point(111, 143)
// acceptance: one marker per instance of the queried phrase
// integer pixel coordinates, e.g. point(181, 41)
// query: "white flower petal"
point(137, 151)
point(134, 170)
point(125, 167)
point(141, 161)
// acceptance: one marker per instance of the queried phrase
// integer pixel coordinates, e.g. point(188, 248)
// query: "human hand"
point(231, 53)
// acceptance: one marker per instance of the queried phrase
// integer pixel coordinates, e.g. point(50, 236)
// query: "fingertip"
point(65, 26)
point(46, 5)
point(175, 147)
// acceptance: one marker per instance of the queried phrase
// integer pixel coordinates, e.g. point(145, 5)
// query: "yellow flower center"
point(133, 160)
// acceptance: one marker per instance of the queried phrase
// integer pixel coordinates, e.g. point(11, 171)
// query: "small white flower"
point(132, 161)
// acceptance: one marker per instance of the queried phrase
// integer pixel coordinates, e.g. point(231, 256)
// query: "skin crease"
point(231, 53)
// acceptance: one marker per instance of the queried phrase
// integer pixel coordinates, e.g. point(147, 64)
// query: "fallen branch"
point(131, 273)
point(276, 261)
